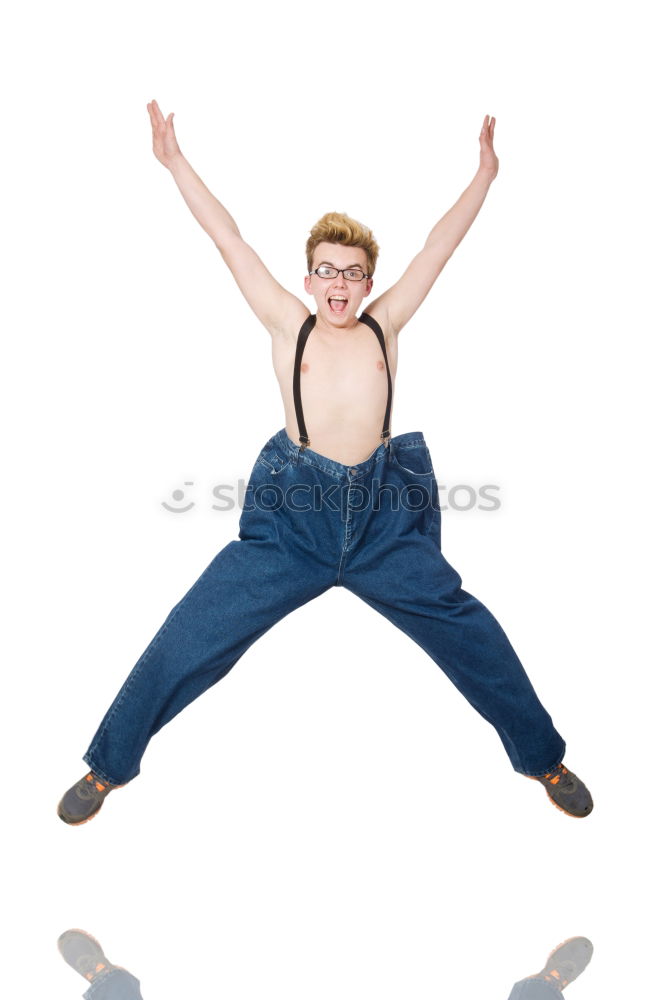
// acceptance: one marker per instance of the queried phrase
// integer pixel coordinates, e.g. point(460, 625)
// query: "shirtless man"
point(332, 501)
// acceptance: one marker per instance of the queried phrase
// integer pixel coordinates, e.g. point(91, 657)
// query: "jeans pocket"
point(415, 460)
point(273, 460)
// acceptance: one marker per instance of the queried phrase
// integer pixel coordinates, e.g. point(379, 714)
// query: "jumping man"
point(333, 500)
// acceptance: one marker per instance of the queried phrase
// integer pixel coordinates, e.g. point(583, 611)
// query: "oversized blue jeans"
point(309, 524)
point(117, 984)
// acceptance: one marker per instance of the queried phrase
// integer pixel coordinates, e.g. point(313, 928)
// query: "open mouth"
point(337, 303)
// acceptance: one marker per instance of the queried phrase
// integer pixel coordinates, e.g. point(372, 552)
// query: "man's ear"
point(368, 286)
point(306, 284)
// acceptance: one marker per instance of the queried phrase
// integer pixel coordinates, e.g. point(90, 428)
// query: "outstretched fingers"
point(155, 114)
point(160, 125)
point(488, 127)
point(488, 158)
point(164, 143)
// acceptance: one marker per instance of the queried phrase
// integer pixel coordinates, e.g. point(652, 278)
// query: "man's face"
point(338, 299)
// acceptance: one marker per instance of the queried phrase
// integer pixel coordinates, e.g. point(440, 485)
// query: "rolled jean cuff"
point(559, 755)
point(116, 984)
point(541, 774)
point(534, 989)
point(100, 773)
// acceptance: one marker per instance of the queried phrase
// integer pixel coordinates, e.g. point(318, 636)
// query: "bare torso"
point(343, 388)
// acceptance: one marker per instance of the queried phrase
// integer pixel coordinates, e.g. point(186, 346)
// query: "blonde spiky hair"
point(336, 227)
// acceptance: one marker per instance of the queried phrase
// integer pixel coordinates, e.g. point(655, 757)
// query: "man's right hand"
point(279, 310)
point(164, 143)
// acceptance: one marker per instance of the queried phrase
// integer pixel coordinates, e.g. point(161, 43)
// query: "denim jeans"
point(118, 984)
point(121, 985)
point(309, 524)
point(534, 989)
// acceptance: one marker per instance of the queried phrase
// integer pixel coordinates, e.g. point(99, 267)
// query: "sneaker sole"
point(554, 950)
point(79, 930)
point(79, 822)
point(90, 937)
point(562, 945)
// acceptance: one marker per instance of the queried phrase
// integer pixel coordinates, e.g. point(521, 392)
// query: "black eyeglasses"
point(350, 274)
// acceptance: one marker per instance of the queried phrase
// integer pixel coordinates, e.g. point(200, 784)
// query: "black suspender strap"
point(301, 343)
point(376, 328)
point(304, 332)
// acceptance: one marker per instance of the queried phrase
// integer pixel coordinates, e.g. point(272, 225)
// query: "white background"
point(332, 820)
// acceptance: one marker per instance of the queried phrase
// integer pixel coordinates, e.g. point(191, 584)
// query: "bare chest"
point(349, 366)
point(345, 367)
point(344, 391)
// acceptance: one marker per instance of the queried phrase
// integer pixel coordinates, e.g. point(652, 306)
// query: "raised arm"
point(279, 310)
point(399, 303)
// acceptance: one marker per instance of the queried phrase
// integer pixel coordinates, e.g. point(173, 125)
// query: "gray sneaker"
point(566, 962)
point(84, 954)
point(84, 799)
point(567, 792)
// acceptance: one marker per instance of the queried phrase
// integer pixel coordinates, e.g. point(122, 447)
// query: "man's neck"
point(336, 331)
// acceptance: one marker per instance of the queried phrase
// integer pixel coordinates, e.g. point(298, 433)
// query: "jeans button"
point(353, 472)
